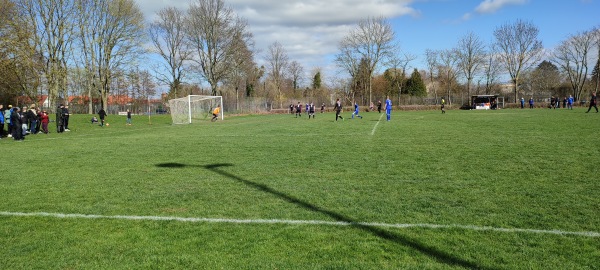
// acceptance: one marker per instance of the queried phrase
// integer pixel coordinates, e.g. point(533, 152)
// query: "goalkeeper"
point(216, 113)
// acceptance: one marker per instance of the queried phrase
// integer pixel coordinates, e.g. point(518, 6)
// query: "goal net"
point(194, 108)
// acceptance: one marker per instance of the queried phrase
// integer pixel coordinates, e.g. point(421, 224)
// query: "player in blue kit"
point(356, 111)
point(388, 108)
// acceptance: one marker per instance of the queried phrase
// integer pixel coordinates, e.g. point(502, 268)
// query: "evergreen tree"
point(316, 81)
point(415, 85)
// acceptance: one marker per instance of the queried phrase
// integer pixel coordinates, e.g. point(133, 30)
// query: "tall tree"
point(432, 62)
point(545, 77)
point(519, 48)
point(471, 56)
point(397, 72)
point(415, 85)
point(491, 69)
point(572, 55)
point(277, 62)
point(295, 70)
point(213, 30)
point(51, 24)
point(372, 40)
point(448, 67)
point(112, 33)
point(168, 37)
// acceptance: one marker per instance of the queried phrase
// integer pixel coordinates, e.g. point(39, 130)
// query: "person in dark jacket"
point(66, 115)
point(17, 130)
point(59, 119)
point(102, 114)
point(592, 103)
point(33, 120)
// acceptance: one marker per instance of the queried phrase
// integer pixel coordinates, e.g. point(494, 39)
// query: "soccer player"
point(338, 109)
point(443, 105)
point(388, 108)
point(307, 109)
point(298, 110)
point(102, 114)
point(216, 112)
point(379, 106)
point(311, 111)
point(356, 111)
point(570, 103)
point(593, 102)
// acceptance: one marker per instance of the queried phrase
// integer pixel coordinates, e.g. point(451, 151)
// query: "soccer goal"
point(194, 108)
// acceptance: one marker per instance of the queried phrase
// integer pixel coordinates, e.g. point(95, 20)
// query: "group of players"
point(310, 109)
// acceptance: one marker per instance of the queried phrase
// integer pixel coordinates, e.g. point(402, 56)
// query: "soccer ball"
point(107, 124)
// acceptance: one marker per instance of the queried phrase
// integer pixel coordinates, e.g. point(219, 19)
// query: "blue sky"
point(310, 30)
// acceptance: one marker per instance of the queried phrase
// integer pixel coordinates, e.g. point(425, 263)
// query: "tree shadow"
point(432, 252)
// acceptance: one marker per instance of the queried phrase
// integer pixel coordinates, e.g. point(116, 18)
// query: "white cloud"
point(309, 30)
point(491, 6)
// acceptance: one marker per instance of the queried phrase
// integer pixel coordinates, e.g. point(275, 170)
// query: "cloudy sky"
point(310, 30)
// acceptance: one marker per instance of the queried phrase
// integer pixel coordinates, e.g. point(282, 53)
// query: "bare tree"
point(213, 29)
point(277, 63)
point(296, 71)
point(432, 62)
point(519, 48)
point(448, 66)
point(51, 24)
point(491, 69)
point(572, 56)
point(168, 37)
point(471, 56)
point(112, 34)
point(398, 65)
point(372, 40)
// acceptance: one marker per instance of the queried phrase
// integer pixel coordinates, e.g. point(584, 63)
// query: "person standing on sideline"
point(593, 102)
point(388, 108)
point(379, 106)
point(45, 120)
point(356, 111)
point(216, 112)
point(443, 105)
point(323, 107)
point(17, 129)
point(570, 102)
point(338, 109)
point(522, 103)
point(531, 103)
point(33, 119)
point(371, 107)
point(59, 119)
point(1, 120)
point(128, 117)
point(66, 115)
point(7, 121)
point(101, 114)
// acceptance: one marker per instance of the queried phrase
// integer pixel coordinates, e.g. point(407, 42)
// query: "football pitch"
point(506, 189)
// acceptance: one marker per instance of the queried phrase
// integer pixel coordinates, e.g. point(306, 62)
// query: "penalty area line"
point(300, 222)
point(376, 124)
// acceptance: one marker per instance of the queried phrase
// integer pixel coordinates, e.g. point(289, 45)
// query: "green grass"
point(507, 169)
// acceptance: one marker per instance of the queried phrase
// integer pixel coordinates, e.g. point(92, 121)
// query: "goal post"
point(194, 108)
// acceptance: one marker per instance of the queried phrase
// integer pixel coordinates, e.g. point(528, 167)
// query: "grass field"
point(507, 189)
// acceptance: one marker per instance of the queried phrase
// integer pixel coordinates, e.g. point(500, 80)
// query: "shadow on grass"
point(432, 252)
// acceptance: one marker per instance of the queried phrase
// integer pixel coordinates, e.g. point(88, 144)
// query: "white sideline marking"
point(302, 222)
point(375, 127)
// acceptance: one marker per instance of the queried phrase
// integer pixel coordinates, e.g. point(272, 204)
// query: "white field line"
point(301, 222)
point(376, 124)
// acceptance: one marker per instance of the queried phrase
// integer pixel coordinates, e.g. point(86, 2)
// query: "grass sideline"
point(507, 169)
